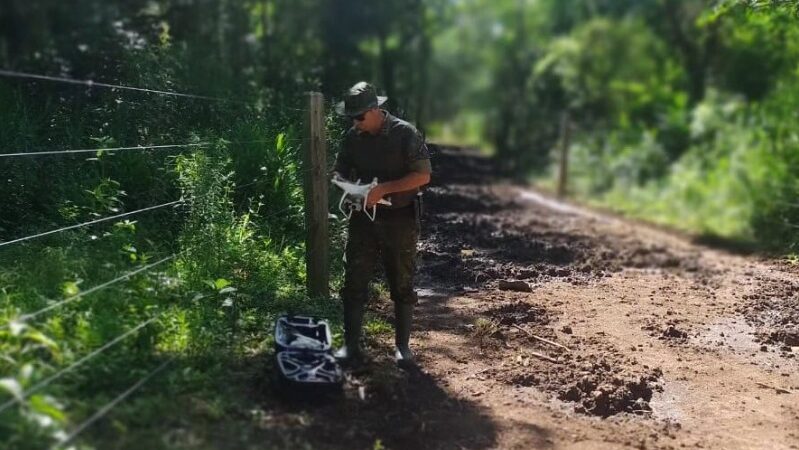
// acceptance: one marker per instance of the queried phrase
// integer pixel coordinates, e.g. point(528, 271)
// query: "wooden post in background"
point(563, 166)
point(315, 159)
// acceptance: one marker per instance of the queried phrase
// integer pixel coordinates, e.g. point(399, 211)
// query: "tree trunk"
point(696, 54)
point(12, 31)
point(423, 71)
point(387, 70)
point(266, 41)
point(221, 29)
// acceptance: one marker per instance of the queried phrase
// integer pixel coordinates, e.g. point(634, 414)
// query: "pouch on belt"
point(418, 210)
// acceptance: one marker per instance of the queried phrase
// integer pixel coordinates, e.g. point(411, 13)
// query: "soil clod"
point(518, 286)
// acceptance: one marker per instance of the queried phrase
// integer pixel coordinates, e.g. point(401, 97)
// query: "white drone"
point(355, 195)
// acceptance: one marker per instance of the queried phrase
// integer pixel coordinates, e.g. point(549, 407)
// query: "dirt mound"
point(787, 336)
point(518, 313)
point(670, 330)
point(600, 383)
point(602, 394)
point(774, 310)
point(588, 372)
point(650, 256)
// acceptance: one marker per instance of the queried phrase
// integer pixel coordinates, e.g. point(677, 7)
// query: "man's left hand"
point(375, 195)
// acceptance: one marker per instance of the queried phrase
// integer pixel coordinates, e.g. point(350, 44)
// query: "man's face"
point(369, 122)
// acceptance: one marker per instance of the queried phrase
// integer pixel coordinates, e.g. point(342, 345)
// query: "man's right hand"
point(375, 195)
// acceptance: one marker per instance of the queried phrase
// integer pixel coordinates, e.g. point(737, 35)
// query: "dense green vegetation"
point(208, 274)
point(683, 111)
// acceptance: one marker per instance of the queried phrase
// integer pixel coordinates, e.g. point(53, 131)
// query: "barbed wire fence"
point(17, 324)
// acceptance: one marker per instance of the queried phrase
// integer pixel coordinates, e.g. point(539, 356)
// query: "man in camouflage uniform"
point(392, 150)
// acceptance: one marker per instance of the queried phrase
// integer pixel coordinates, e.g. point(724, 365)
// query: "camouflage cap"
point(360, 98)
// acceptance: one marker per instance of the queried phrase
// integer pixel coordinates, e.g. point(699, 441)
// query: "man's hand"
point(375, 195)
point(411, 181)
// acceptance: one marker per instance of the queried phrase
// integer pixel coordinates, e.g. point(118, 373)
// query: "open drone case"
point(303, 355)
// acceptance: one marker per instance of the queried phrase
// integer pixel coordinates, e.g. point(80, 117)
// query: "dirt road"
point(542, 325)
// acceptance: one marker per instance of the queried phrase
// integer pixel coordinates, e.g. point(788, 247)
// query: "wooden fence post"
point(315, 158)
point(563, 166)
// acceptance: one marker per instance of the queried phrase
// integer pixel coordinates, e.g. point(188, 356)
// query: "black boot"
point(352, 353)
point(403, 316)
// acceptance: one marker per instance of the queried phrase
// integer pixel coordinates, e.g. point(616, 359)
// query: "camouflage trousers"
point(390, 239)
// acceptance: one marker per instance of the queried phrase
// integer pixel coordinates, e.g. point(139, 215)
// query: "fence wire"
point(91, 222)
point(110, 405)
point(44, 383)
point(96, 84)
point(26, 317)
point(133, 148)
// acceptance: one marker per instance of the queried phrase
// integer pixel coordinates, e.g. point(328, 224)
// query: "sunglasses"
point(359, 117)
